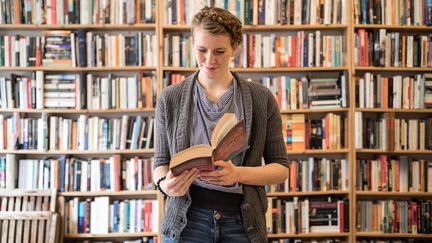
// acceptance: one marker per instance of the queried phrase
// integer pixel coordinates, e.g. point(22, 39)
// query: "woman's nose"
point(210, 58)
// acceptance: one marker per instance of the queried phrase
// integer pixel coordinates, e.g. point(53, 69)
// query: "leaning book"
point(227, 141)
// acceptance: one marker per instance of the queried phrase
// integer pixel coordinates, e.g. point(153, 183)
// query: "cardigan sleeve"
point(162, 152)
point(274, 148)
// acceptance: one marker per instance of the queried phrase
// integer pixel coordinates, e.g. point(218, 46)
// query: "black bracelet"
point(159, 187)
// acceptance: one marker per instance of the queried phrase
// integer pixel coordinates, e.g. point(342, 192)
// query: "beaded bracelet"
point(159, 187)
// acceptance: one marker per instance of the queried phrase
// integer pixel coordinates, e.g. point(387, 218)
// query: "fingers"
point(187, 180)
point(175, 186)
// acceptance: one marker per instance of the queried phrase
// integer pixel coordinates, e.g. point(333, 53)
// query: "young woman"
point(228, 204)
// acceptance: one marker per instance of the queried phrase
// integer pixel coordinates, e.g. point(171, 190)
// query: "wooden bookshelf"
point(349, 68)
point(283, 30)
point(359, 71)
point(37, 30)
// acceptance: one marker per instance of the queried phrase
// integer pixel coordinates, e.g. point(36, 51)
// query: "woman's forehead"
point(209, 38)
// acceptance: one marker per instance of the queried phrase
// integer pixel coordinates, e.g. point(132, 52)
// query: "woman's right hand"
point(176, 186)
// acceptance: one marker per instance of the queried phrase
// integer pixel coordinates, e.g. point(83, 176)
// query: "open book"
point(227, 141)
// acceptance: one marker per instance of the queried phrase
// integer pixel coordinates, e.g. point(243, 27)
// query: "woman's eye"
point(220, 52)
point(202, 50)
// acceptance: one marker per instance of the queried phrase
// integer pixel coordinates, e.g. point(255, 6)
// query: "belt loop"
point(216, 215)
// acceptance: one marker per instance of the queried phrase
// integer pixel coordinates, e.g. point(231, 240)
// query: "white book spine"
point(84, 175)
point(123, 134)
point(39, 90)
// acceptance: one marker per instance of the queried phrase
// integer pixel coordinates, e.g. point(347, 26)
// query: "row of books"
point(72, 49)
point(100, 215)
point(396, 12)
point(172, 78)
point(75, 174)
point(326, 133)
point(394, 216)
point(398, 92)
point(307, 215)
point(84, 133)
point(113, 50)
point(263, 12)
point(59, 12)
point(378, 47)
point(78, 91)
point(402, 174)
point(299, 49)
point(315, 174)
point(388, 132)
point(293, 93)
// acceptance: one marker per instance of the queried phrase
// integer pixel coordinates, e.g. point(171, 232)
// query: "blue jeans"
point(208, 226)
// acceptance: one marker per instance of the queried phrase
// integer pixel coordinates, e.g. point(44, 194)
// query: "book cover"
point(227, 141)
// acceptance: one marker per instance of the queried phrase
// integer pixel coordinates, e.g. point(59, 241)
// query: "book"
point(227, 141)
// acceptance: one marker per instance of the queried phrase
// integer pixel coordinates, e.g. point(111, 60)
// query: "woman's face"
point(213, 53)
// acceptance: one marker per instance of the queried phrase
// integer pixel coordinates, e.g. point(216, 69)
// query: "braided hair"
point(219, 21)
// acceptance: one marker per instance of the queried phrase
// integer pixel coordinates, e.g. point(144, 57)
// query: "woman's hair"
point(219, 21)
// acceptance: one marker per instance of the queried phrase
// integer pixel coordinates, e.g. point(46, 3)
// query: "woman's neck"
point(215, 88)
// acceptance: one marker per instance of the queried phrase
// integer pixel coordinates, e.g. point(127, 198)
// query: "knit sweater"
point(264, 129)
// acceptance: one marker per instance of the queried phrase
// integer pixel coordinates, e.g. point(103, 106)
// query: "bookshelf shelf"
point(305, 194)
point(270, 27)
point(392, 69)
point(146, 193)
point(75, 152)
point(314, 110)
point(381, 151)
point(318, 151)
point(378, 110)
point(392, 194)
point(80, 69)
point(263, 70)
point(393, 235)
point(78, 26)
point(393, 27)
point(110, 235)
point(74, 111)
point(309, 235)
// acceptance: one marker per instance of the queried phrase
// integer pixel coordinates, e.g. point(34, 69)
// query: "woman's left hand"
point(226, 174)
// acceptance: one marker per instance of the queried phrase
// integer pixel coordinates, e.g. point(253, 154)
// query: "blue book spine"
point(115, 216)
point(81, 210)
point(62, 164)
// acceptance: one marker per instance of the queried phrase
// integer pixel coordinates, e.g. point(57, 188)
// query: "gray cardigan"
point(264, 128)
